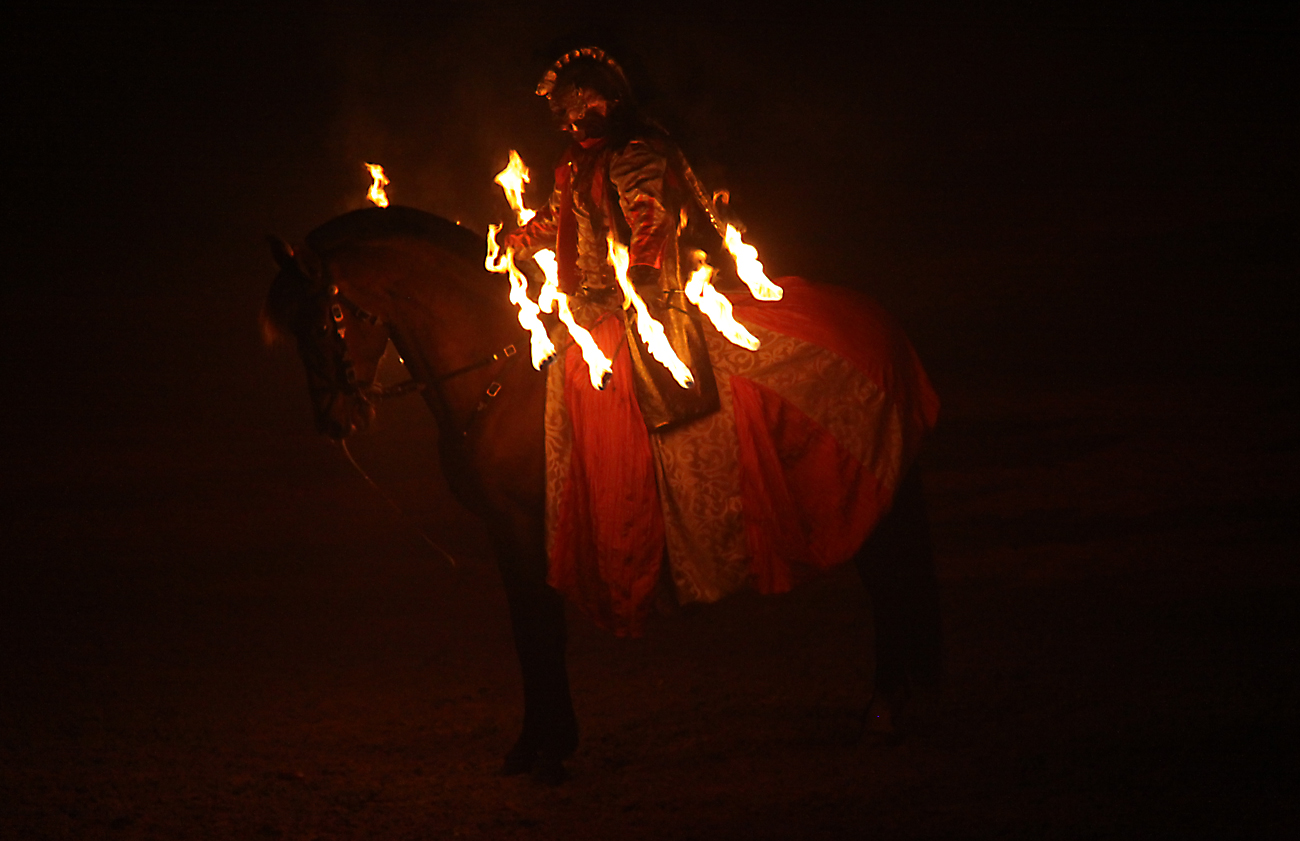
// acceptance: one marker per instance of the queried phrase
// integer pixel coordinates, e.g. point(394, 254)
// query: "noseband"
point(342, 381)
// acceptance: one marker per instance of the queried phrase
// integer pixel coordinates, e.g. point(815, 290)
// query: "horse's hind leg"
point(897, 566)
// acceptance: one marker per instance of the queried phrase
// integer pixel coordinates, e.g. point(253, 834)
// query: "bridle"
point(336, 377)
point(349, 386)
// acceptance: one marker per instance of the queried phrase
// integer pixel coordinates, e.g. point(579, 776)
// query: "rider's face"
point(582, 113)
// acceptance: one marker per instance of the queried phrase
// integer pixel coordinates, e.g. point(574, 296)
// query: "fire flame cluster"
point(651, 331)
point(551, 299)
point(512, 180)
point(716, 307)
point(699, 291)
point(542, 347)
point(377, 194)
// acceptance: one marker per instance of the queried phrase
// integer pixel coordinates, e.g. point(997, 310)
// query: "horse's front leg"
point(897, 566)
point(550, 731)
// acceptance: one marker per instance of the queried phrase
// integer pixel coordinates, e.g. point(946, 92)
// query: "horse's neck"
point(446, 313)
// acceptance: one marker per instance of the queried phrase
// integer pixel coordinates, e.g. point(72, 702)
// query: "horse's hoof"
point(518, 762)
point(549, 770)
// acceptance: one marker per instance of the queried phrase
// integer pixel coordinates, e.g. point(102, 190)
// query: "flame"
point(542, 348)
point(550, 294)
point(700, 292)
point(377, 194)
point(599, 368)
point(512, 180)
point(652, 332)
point(748, 267)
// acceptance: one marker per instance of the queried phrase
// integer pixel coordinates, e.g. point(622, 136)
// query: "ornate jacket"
point(633, 190)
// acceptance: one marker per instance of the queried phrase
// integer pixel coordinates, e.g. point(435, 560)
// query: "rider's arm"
point(537, 233)
point(639, 172)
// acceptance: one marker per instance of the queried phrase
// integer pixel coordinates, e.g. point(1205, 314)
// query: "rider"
point(621, 174)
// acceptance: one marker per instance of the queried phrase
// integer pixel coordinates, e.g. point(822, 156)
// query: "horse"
point(398, 274)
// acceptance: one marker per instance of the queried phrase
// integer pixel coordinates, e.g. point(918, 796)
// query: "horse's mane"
point(295, 283)
point(379, 222)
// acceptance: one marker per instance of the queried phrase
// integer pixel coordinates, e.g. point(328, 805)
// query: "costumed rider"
point(621, 175)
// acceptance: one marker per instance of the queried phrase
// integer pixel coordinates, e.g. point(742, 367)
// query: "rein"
point(364, 475)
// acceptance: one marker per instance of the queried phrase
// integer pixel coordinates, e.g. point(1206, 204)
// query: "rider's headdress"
point(587, 67)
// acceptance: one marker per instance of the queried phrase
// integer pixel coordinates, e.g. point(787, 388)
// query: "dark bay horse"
point(397, 273)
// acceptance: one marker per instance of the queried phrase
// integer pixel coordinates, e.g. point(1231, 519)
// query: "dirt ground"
point(221, 635)
point(212, 628)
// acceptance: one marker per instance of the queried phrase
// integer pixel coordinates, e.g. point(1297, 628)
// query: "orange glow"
point(700, 292)
point(542, 348)
point(512, 180)
point(749, 268)
point(377, 194)
point(652, 332)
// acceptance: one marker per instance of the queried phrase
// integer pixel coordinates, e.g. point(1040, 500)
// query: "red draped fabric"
point(852, 326)
point(807, 501)
point(609, 541)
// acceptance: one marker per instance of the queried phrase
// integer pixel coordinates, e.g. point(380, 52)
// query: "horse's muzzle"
point(334, 428)
point(355, 417)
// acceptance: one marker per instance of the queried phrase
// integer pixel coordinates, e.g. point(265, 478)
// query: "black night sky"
point(1085, 218)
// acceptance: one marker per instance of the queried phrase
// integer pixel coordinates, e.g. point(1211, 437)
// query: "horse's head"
point(340, 343)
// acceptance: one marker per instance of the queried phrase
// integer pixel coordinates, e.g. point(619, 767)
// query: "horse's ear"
point(280, 310)
point(281, 251)
point(309, 264)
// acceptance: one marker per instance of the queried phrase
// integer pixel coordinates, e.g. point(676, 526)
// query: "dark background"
point(1085, 217)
